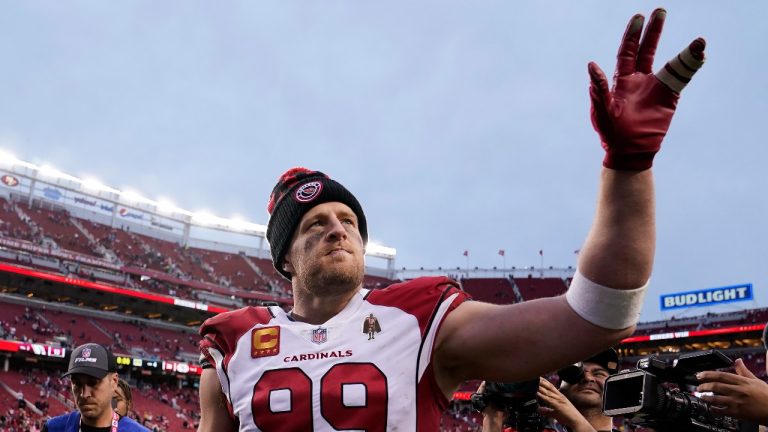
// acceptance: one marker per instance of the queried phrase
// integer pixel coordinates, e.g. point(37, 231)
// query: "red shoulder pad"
point(222, 331)
point(419, 297)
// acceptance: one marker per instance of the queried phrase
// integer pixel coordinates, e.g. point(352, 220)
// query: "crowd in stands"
point(495, 290)
point(460, 417)
point(12, 225)
point(25, 325)
point(19, 420)
point(58, 228)
point(38, 325)
point(707, 321)
point(178, 409)
point(153, 341)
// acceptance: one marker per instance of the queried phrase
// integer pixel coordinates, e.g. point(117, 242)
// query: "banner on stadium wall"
point(49, 193)
point(9, 180)
point(42, 350)
point(165, 224)
point(92, 203)
point(707, 297)
point(127, 213)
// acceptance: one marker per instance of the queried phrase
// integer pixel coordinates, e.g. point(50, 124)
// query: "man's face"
point(326, 254)
point(121, 403)
point(588, 393)
point(93, 396)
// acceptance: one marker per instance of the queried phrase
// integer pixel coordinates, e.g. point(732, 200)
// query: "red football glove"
point(633, 117)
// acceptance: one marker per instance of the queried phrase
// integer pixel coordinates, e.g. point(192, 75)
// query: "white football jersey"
point(369, 368)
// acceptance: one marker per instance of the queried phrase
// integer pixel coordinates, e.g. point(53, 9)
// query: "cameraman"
point(510, 407)
point(561, 409)
point(578, 405)
point(493, 415)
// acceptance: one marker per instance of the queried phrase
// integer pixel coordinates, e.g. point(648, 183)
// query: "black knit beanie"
point(296, 192)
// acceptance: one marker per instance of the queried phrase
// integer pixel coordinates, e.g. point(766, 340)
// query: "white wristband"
point(605, 307)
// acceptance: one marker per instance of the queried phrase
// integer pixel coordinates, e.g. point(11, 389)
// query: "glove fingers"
point(626, 59)
point(599, 83)
point(601, 99)
point(679, 71)
point(650, 40)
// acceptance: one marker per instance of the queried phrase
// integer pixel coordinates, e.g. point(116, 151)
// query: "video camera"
point(654, 395)
point(518, 400)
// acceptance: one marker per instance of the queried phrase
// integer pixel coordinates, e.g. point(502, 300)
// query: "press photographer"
point(578, 405)
point(510, 407)
point(538, 405)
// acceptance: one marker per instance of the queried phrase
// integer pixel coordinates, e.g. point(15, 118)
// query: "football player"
point(312, 368)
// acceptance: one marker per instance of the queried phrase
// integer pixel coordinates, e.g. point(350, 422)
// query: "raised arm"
point(521, 341)
point(632, 119)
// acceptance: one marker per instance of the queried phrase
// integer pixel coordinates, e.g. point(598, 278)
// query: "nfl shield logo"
point(86, 352)
point(319, 335)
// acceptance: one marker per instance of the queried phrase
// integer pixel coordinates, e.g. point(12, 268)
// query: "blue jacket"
point(71, 423)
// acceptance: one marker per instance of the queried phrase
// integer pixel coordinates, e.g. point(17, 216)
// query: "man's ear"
point(287, 266)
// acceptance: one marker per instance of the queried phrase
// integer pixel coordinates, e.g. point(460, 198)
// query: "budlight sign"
point(707, 297)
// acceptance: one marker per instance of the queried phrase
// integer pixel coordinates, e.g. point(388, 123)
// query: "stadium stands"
point(21, 386)
point(12, 225)
point(32, 324)
point(707, 321)
point(122, 243)
point(532, 288)
point(78, 329)
point(57, 226)
point(376, 282)
point(153, 406)
point(461, 418)
point(497, 290)
point(23, 324)
point(236, 270)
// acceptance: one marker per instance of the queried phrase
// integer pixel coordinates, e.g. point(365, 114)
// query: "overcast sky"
point(459, 125)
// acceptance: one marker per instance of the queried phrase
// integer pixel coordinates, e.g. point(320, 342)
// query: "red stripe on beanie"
point(286, 182)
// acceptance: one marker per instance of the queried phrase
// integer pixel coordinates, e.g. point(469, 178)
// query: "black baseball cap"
point(609, 359)
point(91, 359)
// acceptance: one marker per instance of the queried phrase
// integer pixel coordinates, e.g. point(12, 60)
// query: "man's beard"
point(584, 402)
point(321, 281)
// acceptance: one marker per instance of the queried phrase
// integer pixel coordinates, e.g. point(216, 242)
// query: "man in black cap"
point(576, 406)
point(312, 368)
point(93, 375)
